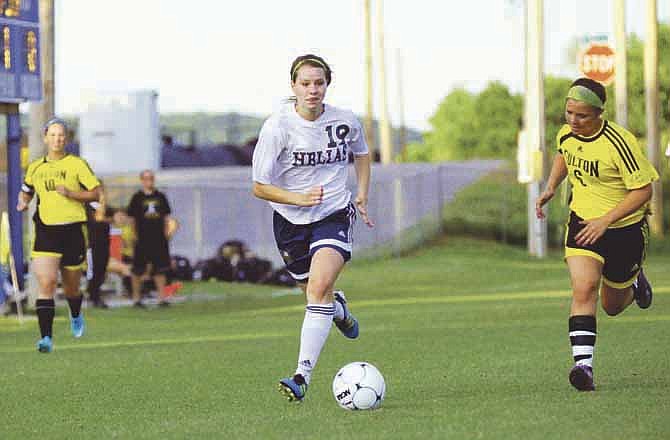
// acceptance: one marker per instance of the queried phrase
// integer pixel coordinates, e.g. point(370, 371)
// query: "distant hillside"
point(225, 128)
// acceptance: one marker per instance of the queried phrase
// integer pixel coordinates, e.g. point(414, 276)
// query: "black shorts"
point(69, 242)
point(155, 253)
point(621, 250)
point(297, 243)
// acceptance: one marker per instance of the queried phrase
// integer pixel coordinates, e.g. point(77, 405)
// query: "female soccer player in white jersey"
point(607, 231)
point(300, 166)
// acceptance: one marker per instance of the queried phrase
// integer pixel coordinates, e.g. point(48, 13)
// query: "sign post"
point(20, 81)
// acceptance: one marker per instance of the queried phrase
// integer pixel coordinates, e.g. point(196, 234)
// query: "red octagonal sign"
point(596, 61)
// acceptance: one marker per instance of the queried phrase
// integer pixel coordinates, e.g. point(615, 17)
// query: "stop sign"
point(596, 61)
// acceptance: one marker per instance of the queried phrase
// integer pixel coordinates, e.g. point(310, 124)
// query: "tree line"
point(481, 125)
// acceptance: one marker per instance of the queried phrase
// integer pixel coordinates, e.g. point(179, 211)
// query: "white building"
point(120, 132)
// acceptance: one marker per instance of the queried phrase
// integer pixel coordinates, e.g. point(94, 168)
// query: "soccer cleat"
point(77, 326)
point(293, 388)
point(581, 377)
point(349, 325)
point(171, 289)
point(642, 291)
point(45, 345)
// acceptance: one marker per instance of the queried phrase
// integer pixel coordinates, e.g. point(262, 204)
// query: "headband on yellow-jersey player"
point(589, 91)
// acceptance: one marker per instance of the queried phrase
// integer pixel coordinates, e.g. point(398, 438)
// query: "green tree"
point(453, 131)
point(555, 89)
point(468, 126)
point(635, 77)
point(497, 122)
point(418, 152)
point(485, 125)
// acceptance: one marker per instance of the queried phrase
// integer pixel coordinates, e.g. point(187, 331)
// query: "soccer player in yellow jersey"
point(62, 183)
point(607, 231)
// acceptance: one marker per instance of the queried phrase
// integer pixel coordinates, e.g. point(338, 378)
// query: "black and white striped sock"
point(582, 338)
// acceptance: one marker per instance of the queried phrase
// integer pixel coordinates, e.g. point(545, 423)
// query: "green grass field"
point(471, 337)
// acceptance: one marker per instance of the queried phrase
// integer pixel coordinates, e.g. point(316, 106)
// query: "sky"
point(225, 55)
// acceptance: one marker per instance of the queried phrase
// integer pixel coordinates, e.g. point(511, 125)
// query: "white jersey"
point(296, 154)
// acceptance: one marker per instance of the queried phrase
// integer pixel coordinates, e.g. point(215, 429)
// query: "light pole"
point(385, 144)
point(621, 67)
point(652, 112)
point(534, 119)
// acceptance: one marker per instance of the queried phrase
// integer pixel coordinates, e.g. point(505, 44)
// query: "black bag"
point(281, 277)
point(223, 269)
point(253, 269)
point(204, 270)
point(181, 268)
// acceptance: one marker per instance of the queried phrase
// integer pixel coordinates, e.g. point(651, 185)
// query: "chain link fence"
point(214, 205)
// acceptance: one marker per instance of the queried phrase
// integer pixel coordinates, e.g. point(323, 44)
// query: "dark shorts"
point(69, 242)
point(297, 243)
point(621, 250)
point(155, 253)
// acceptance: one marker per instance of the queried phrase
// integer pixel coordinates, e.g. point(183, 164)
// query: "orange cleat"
point(171, 289)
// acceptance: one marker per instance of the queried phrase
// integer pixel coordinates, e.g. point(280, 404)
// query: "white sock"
point(339, 311)
point(315, 329)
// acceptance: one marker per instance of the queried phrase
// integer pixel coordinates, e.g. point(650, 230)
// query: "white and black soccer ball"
point(359, 386)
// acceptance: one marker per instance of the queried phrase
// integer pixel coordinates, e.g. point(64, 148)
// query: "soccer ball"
point(358, 386)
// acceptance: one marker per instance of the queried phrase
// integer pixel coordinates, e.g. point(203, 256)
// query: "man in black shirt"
point(150, 211)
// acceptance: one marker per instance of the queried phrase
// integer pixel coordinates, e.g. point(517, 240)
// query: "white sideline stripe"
point(451, 299)
point(474, 298)
point(578, 350)
point(286, 292)
point(169, 341)
point(582, 333)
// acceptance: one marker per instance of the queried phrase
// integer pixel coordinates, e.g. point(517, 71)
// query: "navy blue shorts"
point(297, 243)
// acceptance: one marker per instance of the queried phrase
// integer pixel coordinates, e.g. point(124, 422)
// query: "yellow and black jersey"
point(602, 169)
point(128, 238)
point(42, 178)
